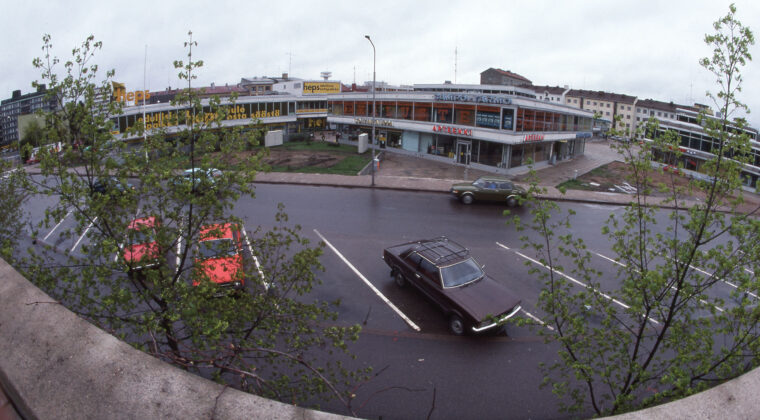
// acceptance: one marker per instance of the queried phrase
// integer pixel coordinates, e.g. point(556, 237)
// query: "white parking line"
point(255, 261)
point(535, 318)
point(711, 275)
point(672, 287)
point(580, 283)
point(179, 252)
point(367, 282)
point(83, 234)
point(56, 226)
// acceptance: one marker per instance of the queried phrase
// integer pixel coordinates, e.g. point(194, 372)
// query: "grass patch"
point(317, 146)
point(574, 184)
point(350, 165)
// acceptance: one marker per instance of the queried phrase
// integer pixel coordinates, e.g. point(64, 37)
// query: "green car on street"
point(488, 188)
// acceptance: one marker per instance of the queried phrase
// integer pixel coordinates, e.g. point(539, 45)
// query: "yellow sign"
point(120, 94)
point(321, 87)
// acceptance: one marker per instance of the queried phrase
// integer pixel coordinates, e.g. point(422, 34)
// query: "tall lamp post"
point(374, 60)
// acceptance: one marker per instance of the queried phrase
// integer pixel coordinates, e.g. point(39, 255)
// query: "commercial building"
point(496, 126)
point(16, 106)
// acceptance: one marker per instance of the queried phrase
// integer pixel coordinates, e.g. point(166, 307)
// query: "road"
point(419, 372)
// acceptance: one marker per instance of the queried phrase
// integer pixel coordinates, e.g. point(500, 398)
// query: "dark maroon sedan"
point(449, 276)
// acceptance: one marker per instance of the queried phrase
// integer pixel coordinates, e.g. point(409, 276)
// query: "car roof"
point(217, 231)
point(494, 178)
point(441, 250)
point(149, 222)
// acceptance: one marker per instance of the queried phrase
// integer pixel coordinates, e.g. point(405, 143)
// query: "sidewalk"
point(402, 172)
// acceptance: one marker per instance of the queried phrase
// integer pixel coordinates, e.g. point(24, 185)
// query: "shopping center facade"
point(498, 127)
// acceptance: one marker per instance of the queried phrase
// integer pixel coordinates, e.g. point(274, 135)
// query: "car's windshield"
point(479, 183)
point(216, 248)
point(461, 273)
point(141, 236)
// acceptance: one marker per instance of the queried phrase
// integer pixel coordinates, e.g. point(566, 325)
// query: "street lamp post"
point(374, 61)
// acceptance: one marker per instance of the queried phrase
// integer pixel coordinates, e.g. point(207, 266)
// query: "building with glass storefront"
point(504, 128)
point(498, 127)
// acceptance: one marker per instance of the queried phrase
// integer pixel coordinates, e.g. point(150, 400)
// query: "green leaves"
point(271, 338)
point(662, 331)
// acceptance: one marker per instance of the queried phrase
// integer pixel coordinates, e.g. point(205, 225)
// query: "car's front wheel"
point(467, 199)
point(456, 325)
point(511, 201)
point(399, 279)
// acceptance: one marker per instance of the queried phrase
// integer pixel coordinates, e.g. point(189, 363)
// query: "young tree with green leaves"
point(268, 338)
point(663, 332)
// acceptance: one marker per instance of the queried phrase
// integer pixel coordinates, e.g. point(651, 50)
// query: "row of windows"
point(464, 114)
point(659, 113)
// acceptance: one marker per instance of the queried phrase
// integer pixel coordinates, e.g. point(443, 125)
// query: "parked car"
point(203, 179)
point(141, 249)
point(110, 185)
point(219, 256)
point(487, 188)
point(449, 276)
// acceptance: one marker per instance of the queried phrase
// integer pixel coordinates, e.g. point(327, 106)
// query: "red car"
point(219, 255)
point(141, 250)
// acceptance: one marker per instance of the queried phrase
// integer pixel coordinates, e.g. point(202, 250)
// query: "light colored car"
point(204, 179)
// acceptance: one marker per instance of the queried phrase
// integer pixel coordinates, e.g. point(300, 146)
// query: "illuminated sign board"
point(452, 130)
point(533, 137)
point(483, 99)
point(120, 94)
point(321, 88)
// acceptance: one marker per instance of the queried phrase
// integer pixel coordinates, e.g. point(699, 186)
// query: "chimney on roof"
point(285, 76)
point(212, 85)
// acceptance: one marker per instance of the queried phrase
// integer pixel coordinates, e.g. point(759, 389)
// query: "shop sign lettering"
point(452, 130)
point(485, 99)
point(533, 137)
point(368, 121)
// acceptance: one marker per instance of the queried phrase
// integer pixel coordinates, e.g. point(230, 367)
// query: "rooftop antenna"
point(354, 74)
point(455, 65)
point(290, 60)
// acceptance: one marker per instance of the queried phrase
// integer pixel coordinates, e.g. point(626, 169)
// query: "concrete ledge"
point(54, 364)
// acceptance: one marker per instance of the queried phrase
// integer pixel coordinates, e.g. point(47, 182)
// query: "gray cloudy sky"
point(648, 49)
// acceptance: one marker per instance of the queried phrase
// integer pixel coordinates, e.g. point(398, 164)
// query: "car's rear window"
point(461, 273)
point(216, 248)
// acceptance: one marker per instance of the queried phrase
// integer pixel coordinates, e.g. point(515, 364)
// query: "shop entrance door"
point(464, 149)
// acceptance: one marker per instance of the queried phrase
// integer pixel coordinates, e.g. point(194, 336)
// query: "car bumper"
point(488, 325)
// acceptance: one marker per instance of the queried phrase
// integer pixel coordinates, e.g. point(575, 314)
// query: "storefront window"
point(488, 153)
point(487, 117)
point(348, 108)
point(443, 113)
point(464, 114)
point(422, 112)
point(361, 109)
point(404, 111)
point(507, 119)
point(444, 146)
point(388, 109)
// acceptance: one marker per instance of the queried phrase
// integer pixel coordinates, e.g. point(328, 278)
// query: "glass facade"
point(467, 115)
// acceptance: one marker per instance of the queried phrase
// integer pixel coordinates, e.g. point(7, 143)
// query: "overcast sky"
point(648, 49)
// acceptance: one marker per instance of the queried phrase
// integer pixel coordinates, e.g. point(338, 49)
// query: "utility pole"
point(374, 107)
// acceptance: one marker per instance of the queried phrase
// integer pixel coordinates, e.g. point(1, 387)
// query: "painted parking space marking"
point(578, 282)
point(537, 319)
point(56, 226)
point(697, 269)
point(84, 234)
point(368, 283)
point(255, 261)
point(672, 287)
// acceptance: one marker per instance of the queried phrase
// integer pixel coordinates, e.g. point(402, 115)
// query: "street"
point(494, 375)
